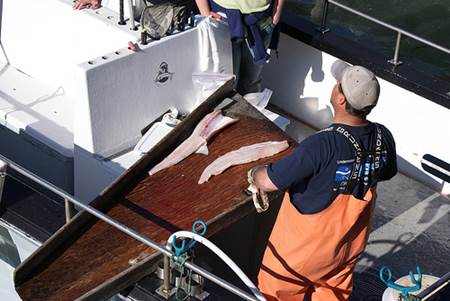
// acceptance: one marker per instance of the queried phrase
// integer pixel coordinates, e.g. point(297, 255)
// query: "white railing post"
point(69, 208)
point(395, 60)
point(131, 9)
point(323, 26)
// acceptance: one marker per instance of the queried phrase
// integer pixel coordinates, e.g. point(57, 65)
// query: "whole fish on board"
point(242, 155)
point(206, 128)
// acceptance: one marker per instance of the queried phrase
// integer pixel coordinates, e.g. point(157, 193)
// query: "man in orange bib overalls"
point(330, 183)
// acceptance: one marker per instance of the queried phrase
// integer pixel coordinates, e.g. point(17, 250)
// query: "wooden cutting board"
point(91, 260)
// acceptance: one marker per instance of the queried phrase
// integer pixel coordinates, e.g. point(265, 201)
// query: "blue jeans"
point(248, 74)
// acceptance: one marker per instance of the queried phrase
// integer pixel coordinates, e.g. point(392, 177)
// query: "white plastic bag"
point(209, 82)
point(259, 100)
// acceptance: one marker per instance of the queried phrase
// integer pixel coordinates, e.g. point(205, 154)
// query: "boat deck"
point(411, 227)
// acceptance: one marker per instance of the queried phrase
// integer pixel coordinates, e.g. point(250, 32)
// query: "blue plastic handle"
point(179, 250)
point(194, 229)
point(404, 290)
point(183, 248)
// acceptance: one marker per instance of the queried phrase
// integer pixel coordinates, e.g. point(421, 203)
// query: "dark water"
point(429, 19)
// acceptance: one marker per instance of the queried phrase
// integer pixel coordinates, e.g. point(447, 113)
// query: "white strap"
point(260, 205)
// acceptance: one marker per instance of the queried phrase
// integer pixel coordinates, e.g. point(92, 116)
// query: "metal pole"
point(4, 53)
point(143, 31)
point(426, 293)
point(323, 29)
point(3, 167)
point(395, 60)
point(121, 14)
point(69, 210)
point(131, 10)
point(384, 24)
point(165, 291)
point(166, 274)
point(202, 272)
point(143, 36)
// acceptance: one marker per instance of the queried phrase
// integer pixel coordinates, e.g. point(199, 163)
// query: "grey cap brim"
point(338, 68)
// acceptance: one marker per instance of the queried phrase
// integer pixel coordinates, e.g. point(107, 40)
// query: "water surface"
point(429, 19)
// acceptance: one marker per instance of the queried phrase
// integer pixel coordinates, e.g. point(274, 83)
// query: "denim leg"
point(237, 56)
point(249, 80)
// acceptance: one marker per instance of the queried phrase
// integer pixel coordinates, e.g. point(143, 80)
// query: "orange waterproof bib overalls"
point(315, 254)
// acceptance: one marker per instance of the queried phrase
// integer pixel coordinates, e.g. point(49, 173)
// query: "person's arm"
point(81, 4)
point(203, 7)
point(277, 9)
point(262, 180)
point(389, 170)
point(287, 172)
point(205, 10)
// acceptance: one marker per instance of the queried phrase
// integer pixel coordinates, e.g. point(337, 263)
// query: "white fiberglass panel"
point(47, 38)
point(14, 248)
point(120, 95)
point(42, 111)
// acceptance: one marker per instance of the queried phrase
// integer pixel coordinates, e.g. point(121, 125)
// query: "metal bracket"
point(322, 30)
point(166, 294)
point(202, 296)
point(395, 62)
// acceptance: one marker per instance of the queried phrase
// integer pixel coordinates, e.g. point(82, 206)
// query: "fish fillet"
point(243, 155)
point(205, 129)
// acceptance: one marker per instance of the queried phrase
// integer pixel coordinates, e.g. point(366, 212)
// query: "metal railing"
point(394, 61)
point(167, 253)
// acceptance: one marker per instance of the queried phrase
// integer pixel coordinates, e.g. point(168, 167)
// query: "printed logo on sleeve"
point(343, 172)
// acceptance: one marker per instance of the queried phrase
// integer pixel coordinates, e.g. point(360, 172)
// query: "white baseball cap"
point(360, 85)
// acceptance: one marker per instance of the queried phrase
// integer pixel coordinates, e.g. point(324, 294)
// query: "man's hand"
point(205, 10)
point(277, 9)
point(214, 15)
point(81, 4)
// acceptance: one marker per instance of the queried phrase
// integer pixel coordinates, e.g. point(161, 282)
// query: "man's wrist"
point(252, 172)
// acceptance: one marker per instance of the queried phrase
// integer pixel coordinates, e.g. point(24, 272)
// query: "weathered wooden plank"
point(83, 220)
point(100, 259)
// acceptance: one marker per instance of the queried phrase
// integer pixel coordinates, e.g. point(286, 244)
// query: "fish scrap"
point(197, 142)
point(242, 155)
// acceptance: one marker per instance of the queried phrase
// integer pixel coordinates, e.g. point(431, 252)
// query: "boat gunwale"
point(405, 76)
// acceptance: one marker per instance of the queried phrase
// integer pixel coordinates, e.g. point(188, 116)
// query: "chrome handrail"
point(399, 31)
point(202, 272)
